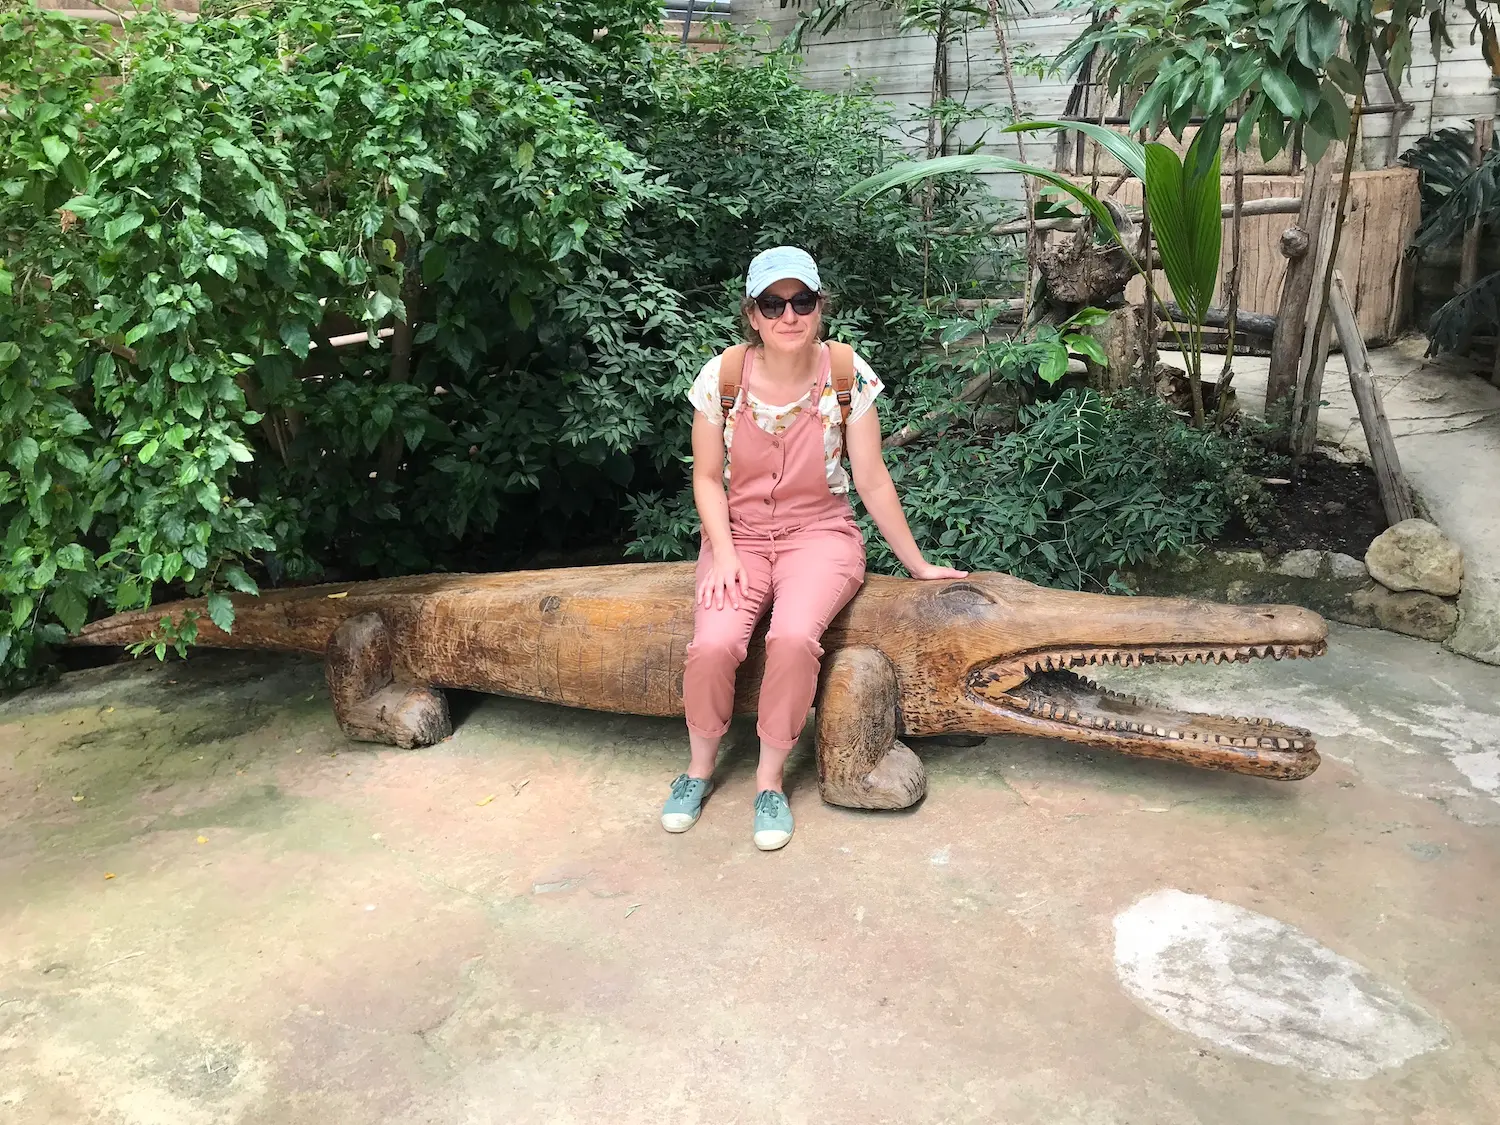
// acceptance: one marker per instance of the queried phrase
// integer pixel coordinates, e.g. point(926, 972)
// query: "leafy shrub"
point(1084, 486)
point(546, 224)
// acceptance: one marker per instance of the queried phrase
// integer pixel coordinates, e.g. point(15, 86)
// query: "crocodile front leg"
point(860, 763)
point(369, 705)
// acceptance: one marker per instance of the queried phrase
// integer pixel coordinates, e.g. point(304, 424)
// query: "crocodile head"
point(1027, 652)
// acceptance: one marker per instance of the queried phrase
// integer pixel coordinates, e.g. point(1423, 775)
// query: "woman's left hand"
point(928, 571)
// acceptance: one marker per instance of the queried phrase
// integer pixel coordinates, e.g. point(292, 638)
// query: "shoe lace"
point(769, 803)
point(682, 787)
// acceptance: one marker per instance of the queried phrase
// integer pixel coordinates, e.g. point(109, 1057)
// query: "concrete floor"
point(214, 909)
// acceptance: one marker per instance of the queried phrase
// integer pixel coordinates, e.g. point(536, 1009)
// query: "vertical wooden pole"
point(1395, 492)
point(1468, 270)
point(1296, 290)
point(1314, 358)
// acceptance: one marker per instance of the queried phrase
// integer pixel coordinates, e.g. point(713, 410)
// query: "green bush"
point(1084, 486)
point(547, 222)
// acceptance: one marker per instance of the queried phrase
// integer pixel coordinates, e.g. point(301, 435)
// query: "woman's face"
point(789, 332)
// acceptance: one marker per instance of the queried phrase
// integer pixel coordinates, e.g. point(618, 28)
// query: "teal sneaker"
point(685, 804)
point(773, 820)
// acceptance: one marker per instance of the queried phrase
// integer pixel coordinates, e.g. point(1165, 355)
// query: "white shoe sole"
point(772, 839)
point(677, 821)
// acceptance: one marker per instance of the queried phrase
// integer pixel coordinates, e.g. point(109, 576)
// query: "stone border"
point(1336, 585)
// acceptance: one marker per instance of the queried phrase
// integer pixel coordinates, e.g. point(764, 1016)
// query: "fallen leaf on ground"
point(523, 785)
point(340, 594)
point(109, 874)
point(202, 839)
point(632, 910)
point(485, 800)
point(77, 797)
point(299, 749)
point(107, 710)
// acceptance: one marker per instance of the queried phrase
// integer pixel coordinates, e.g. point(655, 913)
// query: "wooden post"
point(1296, 291)
point(1468, 270)
point(1395, 492)
point(1308, 392)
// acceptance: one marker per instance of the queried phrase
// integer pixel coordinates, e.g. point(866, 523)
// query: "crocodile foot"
point(861, 765)
point(368, 702)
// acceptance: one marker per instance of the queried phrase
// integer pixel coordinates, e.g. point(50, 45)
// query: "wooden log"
point(1256, 324)
point(1468, 270)
point(1280, 205)
point(1395, 491)
point(1296, 290)
point(1314, 358)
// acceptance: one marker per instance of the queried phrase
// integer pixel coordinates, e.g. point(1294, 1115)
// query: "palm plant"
point(1183, 202)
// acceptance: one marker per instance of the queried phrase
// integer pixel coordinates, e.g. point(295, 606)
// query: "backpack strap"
point(731, 372)
point(841, 368)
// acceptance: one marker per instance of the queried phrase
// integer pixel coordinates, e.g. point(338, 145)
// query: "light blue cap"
point(778, 263)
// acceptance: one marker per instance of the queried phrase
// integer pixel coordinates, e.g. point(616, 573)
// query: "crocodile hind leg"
point(370, 705)
point(861, 765)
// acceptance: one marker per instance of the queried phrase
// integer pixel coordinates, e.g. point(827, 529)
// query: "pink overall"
point(801, 550)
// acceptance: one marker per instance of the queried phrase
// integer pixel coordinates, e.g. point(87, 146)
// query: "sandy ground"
point(214, 909)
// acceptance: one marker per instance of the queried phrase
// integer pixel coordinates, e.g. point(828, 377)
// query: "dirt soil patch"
point(1325, 505)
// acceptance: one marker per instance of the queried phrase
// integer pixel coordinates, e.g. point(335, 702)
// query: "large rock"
point(1412, 612)
point(1415, 555)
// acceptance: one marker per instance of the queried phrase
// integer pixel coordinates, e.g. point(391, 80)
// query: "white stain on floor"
point(1263, 988)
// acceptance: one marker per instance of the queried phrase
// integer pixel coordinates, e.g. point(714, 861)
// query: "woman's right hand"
point(726, 578)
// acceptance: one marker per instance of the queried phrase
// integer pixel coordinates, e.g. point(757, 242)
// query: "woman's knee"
point(795, 640)
point(718, 648)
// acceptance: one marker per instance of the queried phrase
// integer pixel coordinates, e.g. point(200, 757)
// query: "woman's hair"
point(748, 328)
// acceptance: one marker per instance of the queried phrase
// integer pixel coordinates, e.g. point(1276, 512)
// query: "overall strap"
point(841, 363)
point(731, 372)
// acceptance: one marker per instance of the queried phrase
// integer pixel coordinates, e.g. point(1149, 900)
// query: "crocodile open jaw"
point(1044, 692)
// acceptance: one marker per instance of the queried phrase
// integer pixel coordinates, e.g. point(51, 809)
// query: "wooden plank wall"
point(1447, 87)
point(1384, 210)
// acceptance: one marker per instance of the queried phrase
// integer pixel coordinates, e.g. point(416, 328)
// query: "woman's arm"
point(873, 482)
point(727, 579)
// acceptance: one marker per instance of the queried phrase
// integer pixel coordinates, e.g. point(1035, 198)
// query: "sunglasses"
point(803, 304)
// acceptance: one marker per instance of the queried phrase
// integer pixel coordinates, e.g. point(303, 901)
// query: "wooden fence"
point(1385, 207)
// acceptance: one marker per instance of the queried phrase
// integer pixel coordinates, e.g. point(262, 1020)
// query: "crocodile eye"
point(963, 594)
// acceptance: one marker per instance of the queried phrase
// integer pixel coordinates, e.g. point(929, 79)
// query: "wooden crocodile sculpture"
point(984, 655)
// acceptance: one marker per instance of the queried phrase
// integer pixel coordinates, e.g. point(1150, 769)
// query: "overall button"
point(775, 475)
point(768, 499)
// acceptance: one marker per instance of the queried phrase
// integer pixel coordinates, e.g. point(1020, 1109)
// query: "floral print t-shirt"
point(704, 394)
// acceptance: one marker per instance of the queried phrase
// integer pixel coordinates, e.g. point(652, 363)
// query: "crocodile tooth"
point(1279, 652)
point(1298, 744)
point(1268, 743)
point(1097, 722)
point(1072, 716)
point(1283, 744)
point(1134, 728)
point(1174, 734)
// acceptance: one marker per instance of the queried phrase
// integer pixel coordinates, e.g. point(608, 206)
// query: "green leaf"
point(524, 155)
point(1185, 209)
point(223, 265)
point(1314, 142)
point(239, 452)
point(73, 557)
point(148, 451)
point(1054, 366)
point(1125, 149)
point(221, 612)
point(1283, 93)
point(9, 353)
point(241, 581)
point(20, 611)
point(1344, 73)
point(332, 260)
point(116, 229)
point(84, 206)
point(70, 605)
point(1080, 344)
point(56, 149)
point(434, 263)
point(23, 453)
point(918, 170)
point(295, 337)
point(520, 309)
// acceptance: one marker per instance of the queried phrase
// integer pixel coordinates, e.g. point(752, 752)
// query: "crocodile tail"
point(294, 620)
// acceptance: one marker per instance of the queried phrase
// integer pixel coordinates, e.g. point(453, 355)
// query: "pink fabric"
point(804, 556)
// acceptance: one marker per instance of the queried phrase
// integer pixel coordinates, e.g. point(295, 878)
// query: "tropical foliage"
point(535, 227)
